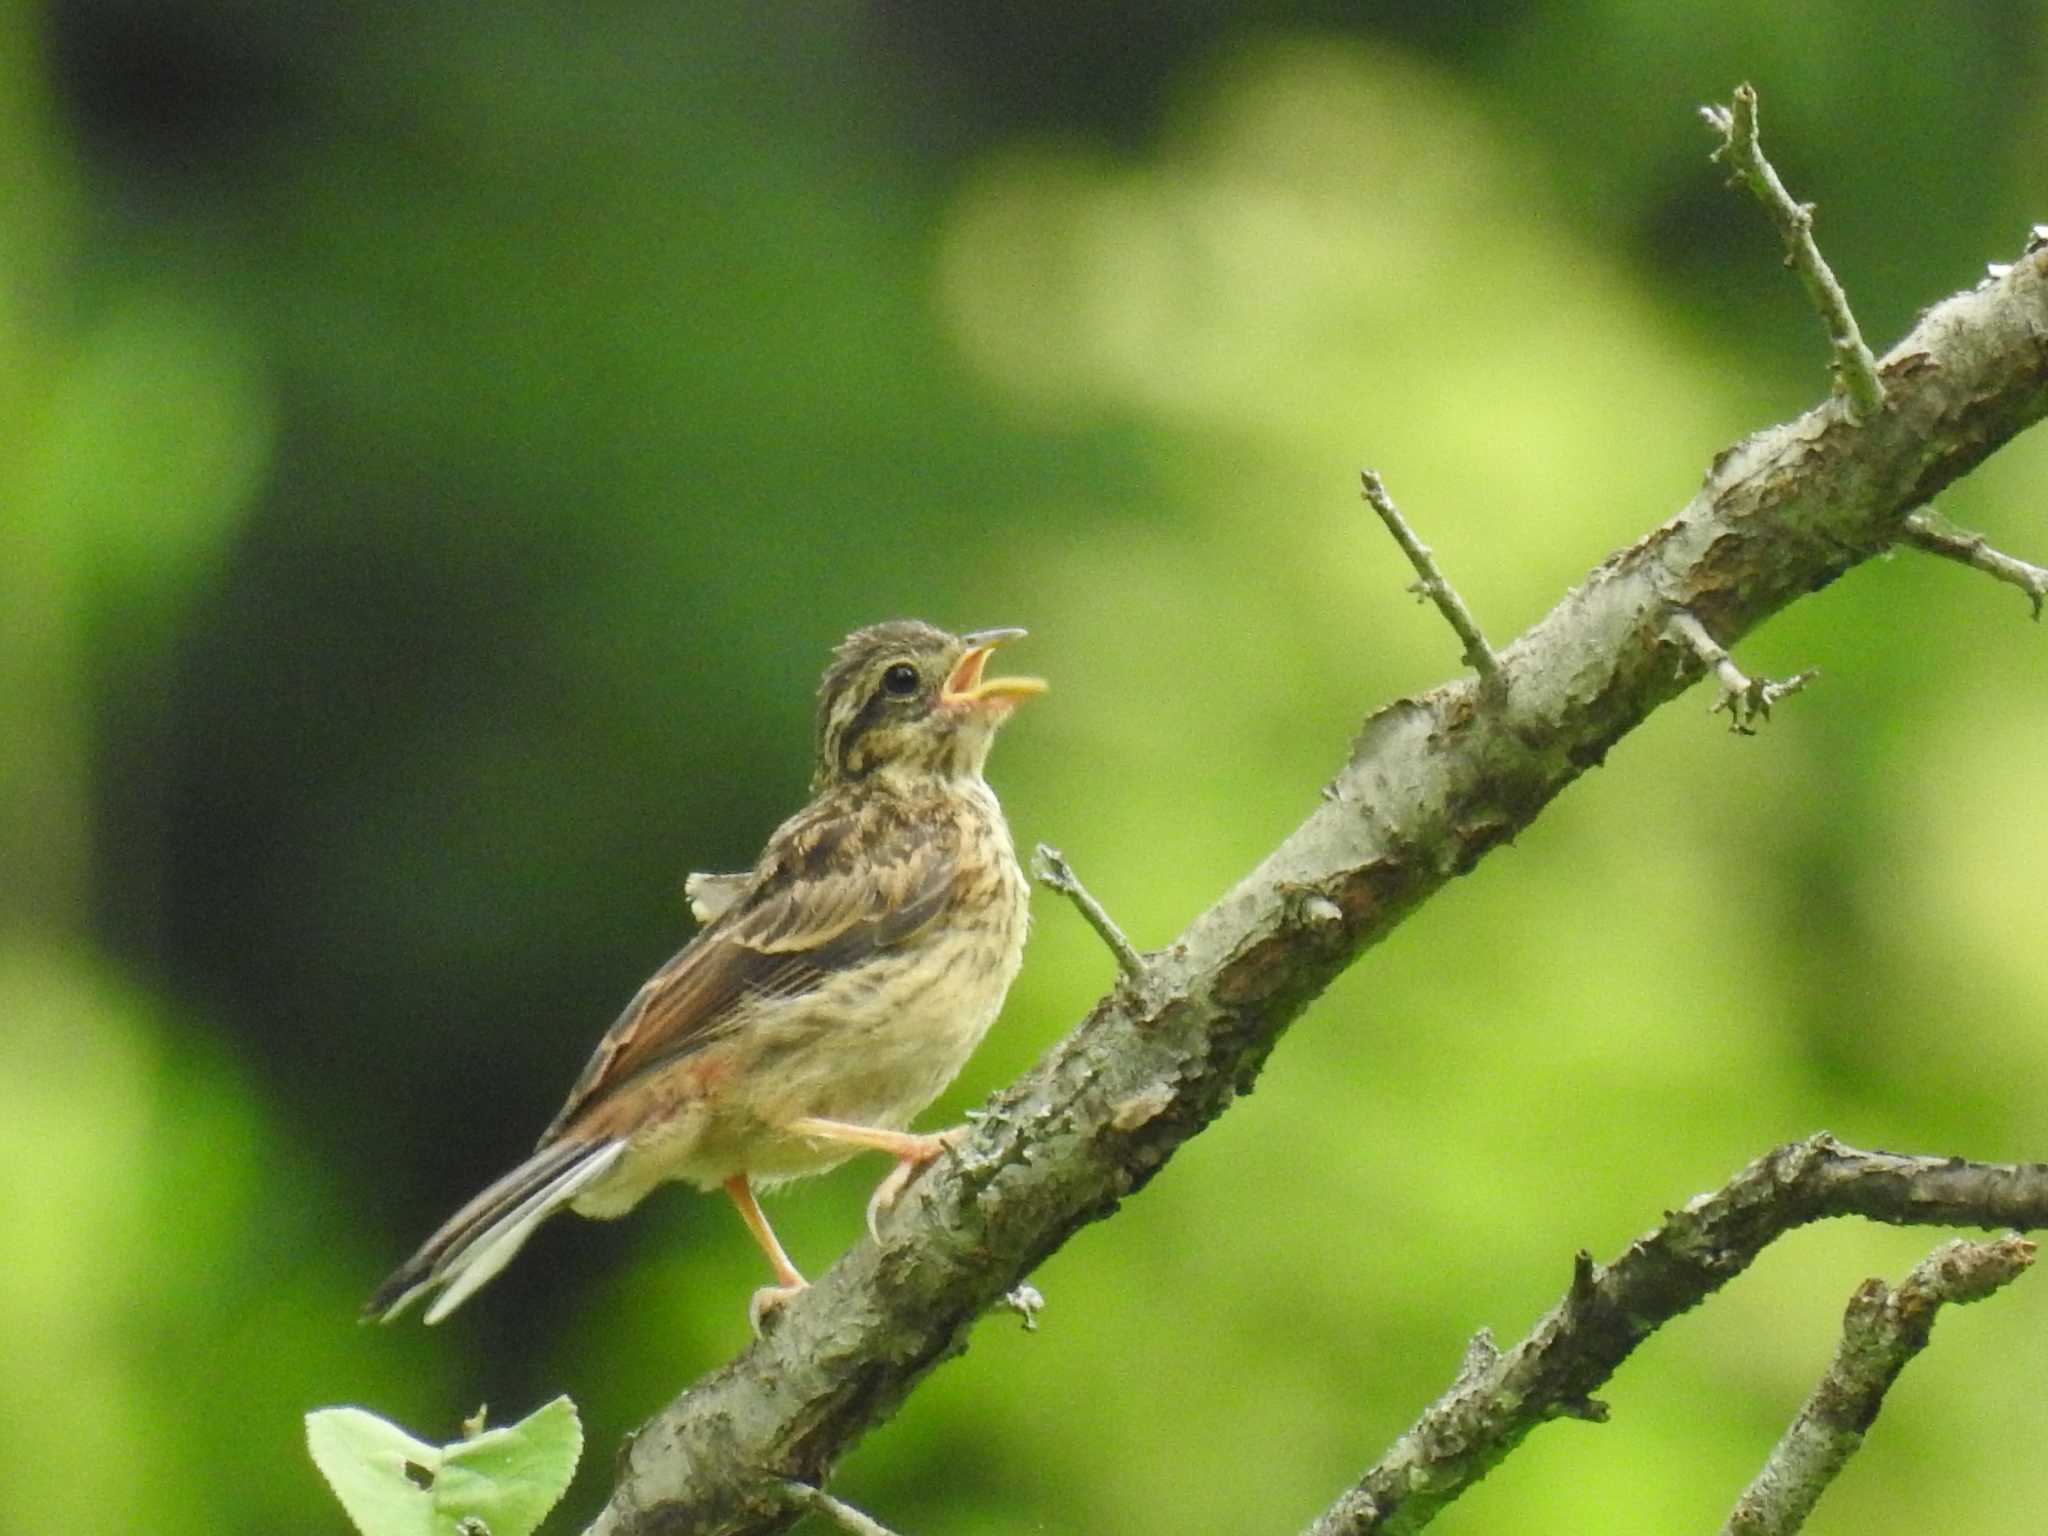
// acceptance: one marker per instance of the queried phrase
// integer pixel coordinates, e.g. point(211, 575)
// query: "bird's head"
point(905, 700)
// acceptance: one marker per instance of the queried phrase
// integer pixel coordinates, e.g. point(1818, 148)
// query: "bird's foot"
point(911, 1157)
point(769, 1300)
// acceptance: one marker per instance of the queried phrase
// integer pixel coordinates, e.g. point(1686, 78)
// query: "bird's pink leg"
point(911, 1151)
point(769, 1297)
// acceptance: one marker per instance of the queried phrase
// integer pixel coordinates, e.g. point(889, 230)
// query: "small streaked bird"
point(834, 992)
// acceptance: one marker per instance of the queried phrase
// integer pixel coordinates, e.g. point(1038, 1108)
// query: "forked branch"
point(1746, 699)
point(1570, 1354)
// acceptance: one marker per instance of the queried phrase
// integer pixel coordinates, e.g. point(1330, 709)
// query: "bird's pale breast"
point(871, 1045)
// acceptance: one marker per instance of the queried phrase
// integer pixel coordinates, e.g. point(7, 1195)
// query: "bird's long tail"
point(480, 1239)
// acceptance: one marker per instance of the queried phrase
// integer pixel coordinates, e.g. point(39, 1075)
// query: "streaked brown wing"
point(832, 891)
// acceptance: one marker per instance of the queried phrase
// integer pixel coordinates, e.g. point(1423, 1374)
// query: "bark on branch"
point(1499, 1398)
point(1433, 783)
point(1884, 1329)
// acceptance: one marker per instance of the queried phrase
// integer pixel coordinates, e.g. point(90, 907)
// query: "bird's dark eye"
point(900, 681)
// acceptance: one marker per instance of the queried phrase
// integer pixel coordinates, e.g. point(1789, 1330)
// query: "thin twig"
point(1882, 1331)
point(840, 1513)
point(1052, 870)
point(1927, 529)
point(1498, 1399)
point(1855, 370)
point(1746, 699)
point(1431, 582)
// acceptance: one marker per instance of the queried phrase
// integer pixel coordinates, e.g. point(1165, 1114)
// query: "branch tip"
point(1928, 530)
point(1854, 368)
point(1050, 868)
point(1962, 1271)
point(1882, 1330)
point(1587, 1410)
point(1746, 699)
point(1585, 1278)
point(1430, 580)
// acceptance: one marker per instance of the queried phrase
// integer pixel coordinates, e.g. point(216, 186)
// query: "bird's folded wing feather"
point(831, 892)
point(710, 895)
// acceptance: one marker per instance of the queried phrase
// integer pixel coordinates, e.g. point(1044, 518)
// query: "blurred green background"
point(443, 442)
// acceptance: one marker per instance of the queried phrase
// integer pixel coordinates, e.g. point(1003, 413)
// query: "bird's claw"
point(890, 1190)
point(769, 1300)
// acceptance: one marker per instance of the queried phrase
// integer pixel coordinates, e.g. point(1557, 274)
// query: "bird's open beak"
point(966, 687)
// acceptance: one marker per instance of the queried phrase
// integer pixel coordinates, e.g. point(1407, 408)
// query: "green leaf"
point(512, 1477)
point(393, 1485)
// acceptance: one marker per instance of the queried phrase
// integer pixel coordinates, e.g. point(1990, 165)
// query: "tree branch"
point(1430, 582)
point(1884, 1329)
point(1855, 370)
point(1746, 699)
point(1497, 1400)
point(1927, 529)
point(1434, 782)
point(1050, 868)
